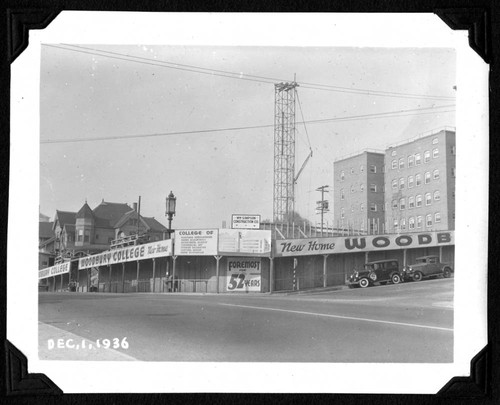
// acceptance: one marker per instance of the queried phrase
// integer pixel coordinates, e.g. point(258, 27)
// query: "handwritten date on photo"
point(86, 345)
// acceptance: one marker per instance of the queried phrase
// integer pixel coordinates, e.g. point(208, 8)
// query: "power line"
point(390, 114)
point(240, 76)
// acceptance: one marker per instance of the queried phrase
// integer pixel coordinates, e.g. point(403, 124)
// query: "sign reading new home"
point(351, 244)
point(239, 221)
point(152, 250)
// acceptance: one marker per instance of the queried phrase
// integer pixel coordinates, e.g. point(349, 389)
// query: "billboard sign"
point(243, 274)
point(240, 221)
point(352, 244)
point(196, 242)
point(61, 268)
point(152, 250)
point(245, 241)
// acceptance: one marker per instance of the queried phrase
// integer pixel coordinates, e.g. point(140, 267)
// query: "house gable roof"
point(45, 230)
point(107, 214)
point(85, 212)
point(63, 218)
point(154, 225)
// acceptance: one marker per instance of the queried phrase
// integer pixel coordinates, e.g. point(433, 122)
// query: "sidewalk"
point(58, 344)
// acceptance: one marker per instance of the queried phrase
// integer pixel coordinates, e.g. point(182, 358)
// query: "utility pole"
point(322, 204)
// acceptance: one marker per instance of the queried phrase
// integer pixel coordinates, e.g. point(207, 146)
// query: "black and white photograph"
point(235, 198)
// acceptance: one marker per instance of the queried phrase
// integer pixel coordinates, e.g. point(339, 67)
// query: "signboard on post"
point(241, 221)
point(61, 268)
point(152, 250)
point(196, 242)
point(243, 274)
point(247, 241)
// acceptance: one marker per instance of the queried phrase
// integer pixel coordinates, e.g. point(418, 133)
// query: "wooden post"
point(98, 277)
point(154, 274)
point(138, 271)
point(88, 280)
point(217, 272)
point(325, 257)
point(271, 274)
point(123, 277)
point(174, 258)
point(441, 254)
point(62, 275)
point(109, 277)
point(404, 257)
point(54, 282)
point(77, 279)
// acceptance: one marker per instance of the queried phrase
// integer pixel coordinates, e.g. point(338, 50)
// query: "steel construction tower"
point(284, 151)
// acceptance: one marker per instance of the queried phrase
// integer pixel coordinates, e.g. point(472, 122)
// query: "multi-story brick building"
point(420, 183)
point(358, 188)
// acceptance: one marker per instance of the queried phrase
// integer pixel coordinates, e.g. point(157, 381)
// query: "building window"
point(411, 223)
point(393, 153)
point(435, 174)
point(428, 220)
point(453, 173)
point(427, 156)
point(352, 170)
point(373, 188)
point(362, 168)
point(401, 163)
point(419, 221)
point(395, 184)
point(394, 164)
point(373, 169)
point(411, 160)
point(362, 187)
point(86, 237)
point(418, 200)
point(435, 153)
point(394, 204)
point(402, 203)
point(428, 199)
point(342, 213)
point(352, 208)
point(96, 236)
point(427, 177)
point(403, 224)
point(342, 175)
point(437, 217)
point(362, 207)
point(373, 207)
point(352, 189)
point(80, 235)
point(411, 202)
point(401, 183)
point(410, 181)
point(395, 223)
point(437, 195)
point(418, 180)
point(418, 159)
point(453, 150)
point(434, 141)
point(342, 194)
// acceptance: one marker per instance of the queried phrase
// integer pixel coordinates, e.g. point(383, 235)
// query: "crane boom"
point(303, 166)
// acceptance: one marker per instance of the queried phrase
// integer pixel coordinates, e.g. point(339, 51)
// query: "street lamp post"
point(170, 211)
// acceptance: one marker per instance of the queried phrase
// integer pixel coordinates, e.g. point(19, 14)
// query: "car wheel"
point(417, 276)
point(447, 272)
point(396, 279)
point(363, 283)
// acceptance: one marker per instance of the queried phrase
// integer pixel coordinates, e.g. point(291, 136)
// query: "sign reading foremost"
point(239, 221)
point(196, 242)
point(161, 248)
point(346, 244)
point(61, 268)
point(243, 274)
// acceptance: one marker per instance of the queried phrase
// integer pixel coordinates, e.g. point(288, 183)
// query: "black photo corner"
point(482, 21)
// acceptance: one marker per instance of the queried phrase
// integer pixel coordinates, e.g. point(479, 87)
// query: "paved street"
point(409, 322)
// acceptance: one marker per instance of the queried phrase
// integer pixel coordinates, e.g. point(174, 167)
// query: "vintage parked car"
point(381, 271)
point(426, 267)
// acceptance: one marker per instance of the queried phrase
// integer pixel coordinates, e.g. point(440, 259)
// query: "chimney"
point(135, 206)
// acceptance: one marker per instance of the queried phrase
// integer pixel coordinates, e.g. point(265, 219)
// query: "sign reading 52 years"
point(243, 274)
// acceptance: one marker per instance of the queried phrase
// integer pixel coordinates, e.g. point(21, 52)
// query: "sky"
point(155, 109)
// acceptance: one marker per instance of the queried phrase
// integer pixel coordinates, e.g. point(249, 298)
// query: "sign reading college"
point(196, 242)
point(153, 250)
point(61, 268)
